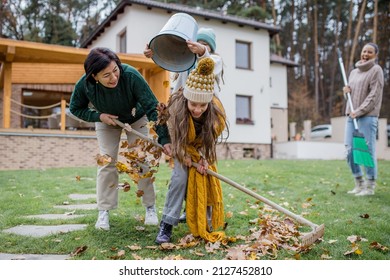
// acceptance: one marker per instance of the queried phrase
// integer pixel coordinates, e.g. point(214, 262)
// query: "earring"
point(97, 81)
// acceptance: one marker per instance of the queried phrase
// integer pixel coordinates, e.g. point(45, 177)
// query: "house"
point(36, 82)
point(255, 89)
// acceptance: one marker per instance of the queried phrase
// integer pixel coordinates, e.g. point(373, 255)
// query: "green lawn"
point(315, 189)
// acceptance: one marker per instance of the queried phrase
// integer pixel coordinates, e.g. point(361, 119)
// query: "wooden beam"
point(1, 75)
point(10, 54)
point(7, 95)
point(46, 73)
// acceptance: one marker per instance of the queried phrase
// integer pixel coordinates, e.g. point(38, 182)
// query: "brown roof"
point(24, 51)
point(170, 8)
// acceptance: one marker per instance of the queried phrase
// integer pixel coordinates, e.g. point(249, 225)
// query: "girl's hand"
point(187, 161)
point(203, 166)
point(196, 47)
point(108, 119)
point(148, 52)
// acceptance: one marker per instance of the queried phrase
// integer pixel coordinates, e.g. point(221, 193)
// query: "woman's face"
point(368, 53)
point(197, 109)
point(109, 76)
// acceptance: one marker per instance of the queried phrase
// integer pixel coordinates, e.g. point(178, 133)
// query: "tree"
point(309, 36)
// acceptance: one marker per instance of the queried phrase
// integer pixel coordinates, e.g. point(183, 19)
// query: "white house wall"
point(142, 25)
point(278, 86)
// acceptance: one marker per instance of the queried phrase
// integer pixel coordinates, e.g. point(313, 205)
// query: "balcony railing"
point(60, 119)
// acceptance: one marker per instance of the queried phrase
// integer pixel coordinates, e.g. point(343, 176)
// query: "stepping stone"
point(33, 257)
point(54, 216)
point(40, 231)
point(78, 196)
point(77, 206)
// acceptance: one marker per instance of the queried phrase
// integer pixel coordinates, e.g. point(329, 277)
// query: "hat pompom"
point(206, 66)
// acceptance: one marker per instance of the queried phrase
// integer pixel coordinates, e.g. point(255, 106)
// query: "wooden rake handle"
point(296, 217)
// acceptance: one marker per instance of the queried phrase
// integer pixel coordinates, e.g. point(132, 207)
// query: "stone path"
point(43, 230)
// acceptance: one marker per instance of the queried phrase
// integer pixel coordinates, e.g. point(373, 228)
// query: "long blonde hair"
point(179, 120)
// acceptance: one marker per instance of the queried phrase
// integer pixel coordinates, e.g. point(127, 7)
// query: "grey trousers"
point(176, 194)
point(109, 138)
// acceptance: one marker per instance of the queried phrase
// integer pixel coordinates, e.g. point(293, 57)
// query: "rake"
point(360, 151)
point(307, 238)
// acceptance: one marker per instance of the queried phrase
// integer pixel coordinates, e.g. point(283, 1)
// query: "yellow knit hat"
point(200, 82)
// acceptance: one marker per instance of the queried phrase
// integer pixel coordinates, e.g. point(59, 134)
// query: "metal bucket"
point(169, 46)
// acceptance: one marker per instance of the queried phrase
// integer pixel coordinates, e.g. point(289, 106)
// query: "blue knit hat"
point(207, 35)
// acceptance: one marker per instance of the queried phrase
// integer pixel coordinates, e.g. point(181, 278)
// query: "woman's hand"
point(148, 52)
point(167, 149)
point(196, 48)
point(346, 89)
point(108, 119)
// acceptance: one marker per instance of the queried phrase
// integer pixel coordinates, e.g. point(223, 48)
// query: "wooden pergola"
point(23, 62)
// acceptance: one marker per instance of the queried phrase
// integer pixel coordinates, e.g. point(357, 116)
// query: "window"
point(122, 41)
point(243, 109)
point(243, 55)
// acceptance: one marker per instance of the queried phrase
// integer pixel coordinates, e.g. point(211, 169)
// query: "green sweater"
point(131, 99)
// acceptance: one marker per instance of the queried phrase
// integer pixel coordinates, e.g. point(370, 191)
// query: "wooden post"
point(7, 95)
point(9, 57)
point(63, 116)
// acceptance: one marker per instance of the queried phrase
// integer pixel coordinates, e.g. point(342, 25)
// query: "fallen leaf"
point(124, 186)
point(325, 257)
point(211, 247)
point(139, 218)
point(306, 205)
point(150, 124)
point(136, 257)
point(167, 246)
point(102, 160)
point(140, 193)
point(121, 253)
point(353, 238)
point(134, 247)
point(364, 216)
point(79, 250)
point(235, 253)
point(377, 246)
point(355, 250)
point(229, 214)
point(358, 251)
